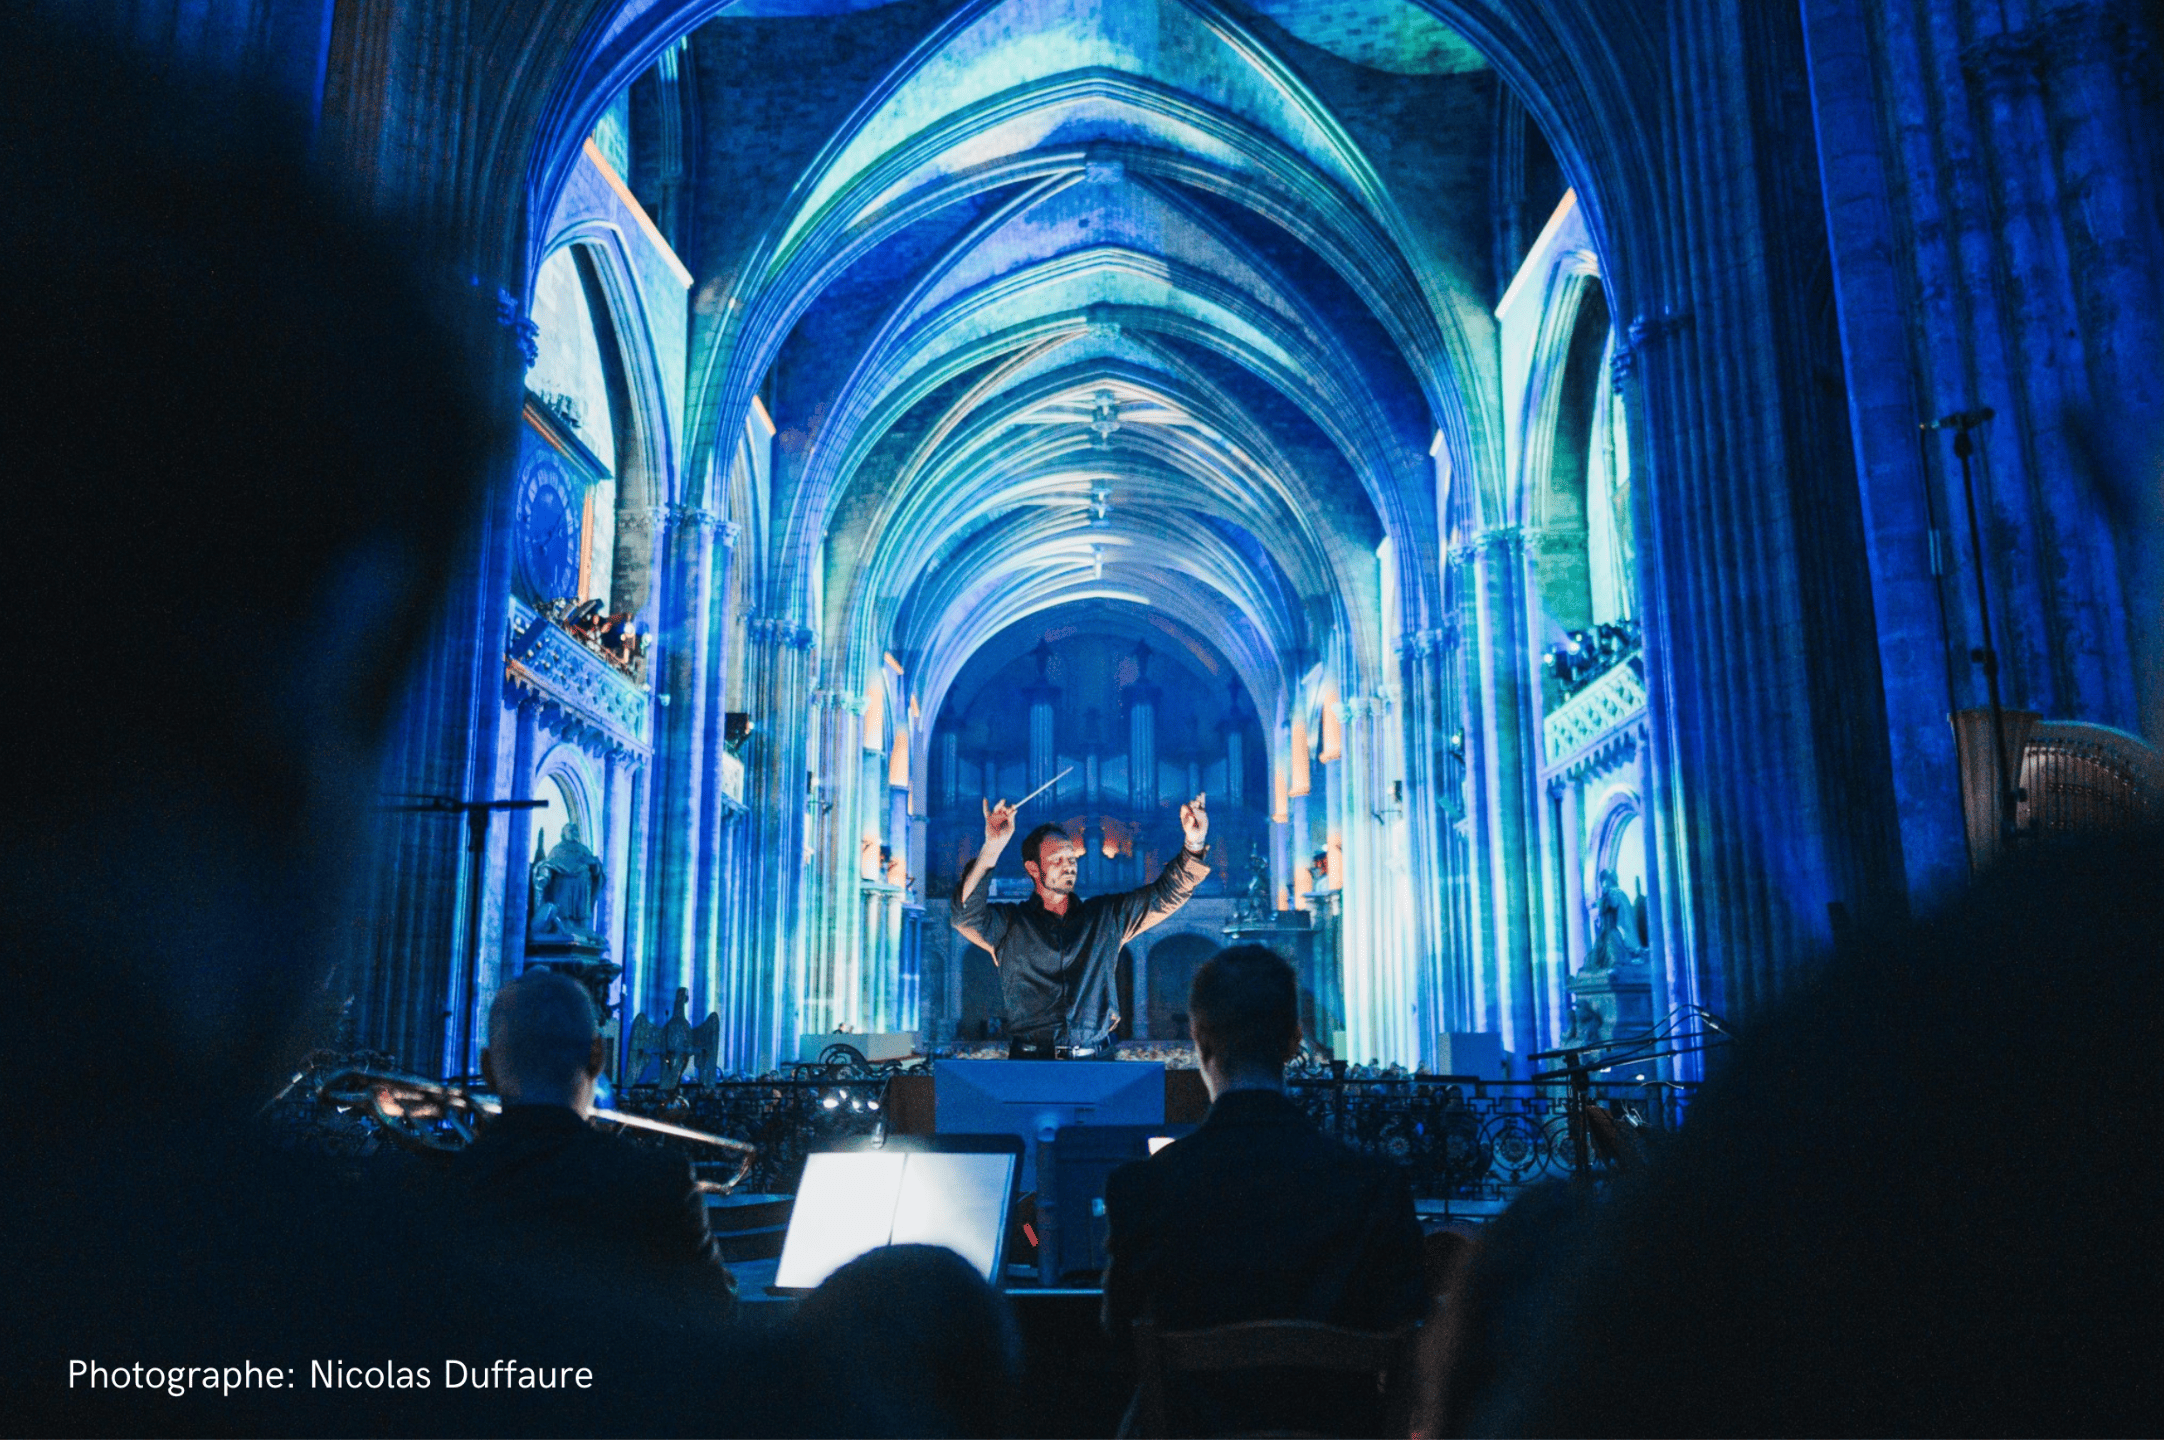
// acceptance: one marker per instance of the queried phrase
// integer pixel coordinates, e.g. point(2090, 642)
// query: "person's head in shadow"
point(1919, 1199)
point(923, 1327)
point(1491, 1304)
point(544, 1044)
point(250, 431)
point(1243, 1010)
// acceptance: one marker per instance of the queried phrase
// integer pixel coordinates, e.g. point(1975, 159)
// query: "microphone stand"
point(1579, 1062)
point(1962, 422)
point(476, 813)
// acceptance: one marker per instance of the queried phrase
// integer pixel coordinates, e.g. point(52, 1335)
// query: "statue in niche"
point(1615, 927)
point(566, 886)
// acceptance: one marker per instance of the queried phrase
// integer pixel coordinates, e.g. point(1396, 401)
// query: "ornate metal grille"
point(1462, 1140)
point(1480, 1140)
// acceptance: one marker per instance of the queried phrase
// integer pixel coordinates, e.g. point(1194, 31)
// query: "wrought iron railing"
point(1484, 1140)
point(1459, 1139)
point(788, 1116)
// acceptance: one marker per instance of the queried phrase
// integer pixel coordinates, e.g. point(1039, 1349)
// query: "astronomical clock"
point(551, 514)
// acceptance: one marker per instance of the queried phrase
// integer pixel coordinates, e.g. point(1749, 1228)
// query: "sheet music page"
point(959, 1201)
point(844, 1206)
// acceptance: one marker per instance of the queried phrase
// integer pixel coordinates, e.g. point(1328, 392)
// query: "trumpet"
point(436, 1117)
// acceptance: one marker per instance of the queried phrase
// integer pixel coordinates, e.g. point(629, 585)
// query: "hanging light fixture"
point(1104, 416)
point(1101, 503)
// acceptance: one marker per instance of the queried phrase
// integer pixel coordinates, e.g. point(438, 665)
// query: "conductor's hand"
point(1195, 821)
point(998, 825)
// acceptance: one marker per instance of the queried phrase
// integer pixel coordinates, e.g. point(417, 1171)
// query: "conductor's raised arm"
point(972, 918)
point(1156, 901)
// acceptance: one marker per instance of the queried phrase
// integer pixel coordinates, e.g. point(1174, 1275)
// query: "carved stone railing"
point(1590, 716)
point(543, 660)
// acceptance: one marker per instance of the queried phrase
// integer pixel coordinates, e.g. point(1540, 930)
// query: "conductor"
point(1057, 954)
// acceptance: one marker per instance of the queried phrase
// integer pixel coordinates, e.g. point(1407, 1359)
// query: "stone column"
point(1093, 861)
point(1572, 795)
point(1453, 825)
point(783, 656)
point(1142, 750)
point(950, 771)
point(631, 949)
point(1303, 848)
point(710, 991)
point(1546, 891)
point(518, 855)
point(1751, 514)
point(1501, 752)
point(1043, 702)
point(1372, 899)
point(835, 900)
point(877, 958)
point(403, 968)
point(679, 792)
point(609, 844)
point(1426, 737)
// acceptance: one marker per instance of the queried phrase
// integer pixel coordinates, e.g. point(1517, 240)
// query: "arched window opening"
point(1611, 536)
point(1566, 496)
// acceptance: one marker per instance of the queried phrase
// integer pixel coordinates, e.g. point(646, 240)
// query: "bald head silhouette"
point(544, 1045)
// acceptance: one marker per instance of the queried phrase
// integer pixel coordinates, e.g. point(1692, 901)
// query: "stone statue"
point(675, 1043)
point(1615, 927)
point(1256, 904)
point(566, 885)
point(1586, 1023)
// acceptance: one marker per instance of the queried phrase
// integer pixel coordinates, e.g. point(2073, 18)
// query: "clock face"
point(548, 539)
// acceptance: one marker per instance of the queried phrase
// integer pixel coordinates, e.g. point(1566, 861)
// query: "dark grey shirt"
point(1059, 974)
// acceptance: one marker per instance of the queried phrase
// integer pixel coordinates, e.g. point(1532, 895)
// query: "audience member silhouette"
point(1258, 1215)
point(251, 440)
point(1491, 1308)
point(1919, 1199)
point(916, 1319)
point(542, 1169)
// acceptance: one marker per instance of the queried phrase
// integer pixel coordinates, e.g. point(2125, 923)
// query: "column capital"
point(774, 630)
point(682, 515)
point(1471, 549)
point(511, 315)
point(1644, 330)
point(1426, 641)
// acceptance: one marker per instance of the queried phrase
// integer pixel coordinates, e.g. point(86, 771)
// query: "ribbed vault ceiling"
point(1099, 303)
